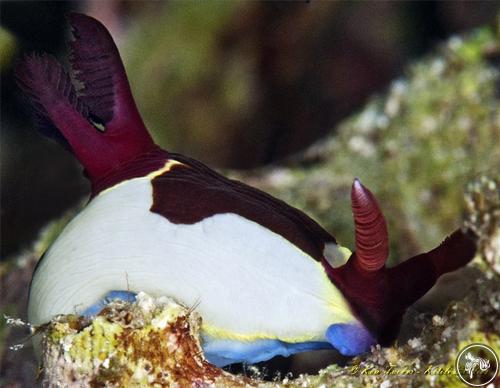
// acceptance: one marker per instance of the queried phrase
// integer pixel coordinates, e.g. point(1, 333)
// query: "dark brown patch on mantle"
point(191, 192)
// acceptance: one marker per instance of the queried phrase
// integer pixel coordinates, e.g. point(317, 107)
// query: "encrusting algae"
point(153, 342)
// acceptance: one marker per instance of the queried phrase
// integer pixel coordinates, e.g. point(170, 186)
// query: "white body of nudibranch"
point(246, 281)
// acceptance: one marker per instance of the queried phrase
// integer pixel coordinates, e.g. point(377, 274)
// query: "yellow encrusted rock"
point(153, 342)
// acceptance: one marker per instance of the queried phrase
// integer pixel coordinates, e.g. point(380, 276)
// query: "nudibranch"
point(266, 279)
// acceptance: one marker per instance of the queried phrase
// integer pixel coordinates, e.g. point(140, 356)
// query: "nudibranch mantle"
point(117, 243)
point(265, 277)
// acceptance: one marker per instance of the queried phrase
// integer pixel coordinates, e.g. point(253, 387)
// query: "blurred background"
point(234, 84)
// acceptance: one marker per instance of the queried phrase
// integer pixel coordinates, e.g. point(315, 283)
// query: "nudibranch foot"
point(226, 352)
point(350, 339)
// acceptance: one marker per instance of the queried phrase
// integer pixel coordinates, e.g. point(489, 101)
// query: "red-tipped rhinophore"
point(372, 242)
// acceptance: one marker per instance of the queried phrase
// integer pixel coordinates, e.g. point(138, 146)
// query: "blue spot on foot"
point(350, 339)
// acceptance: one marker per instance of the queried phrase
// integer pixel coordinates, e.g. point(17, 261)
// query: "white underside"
point(248, 282)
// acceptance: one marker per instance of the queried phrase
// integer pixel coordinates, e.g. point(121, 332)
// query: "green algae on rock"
point(483, 217)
